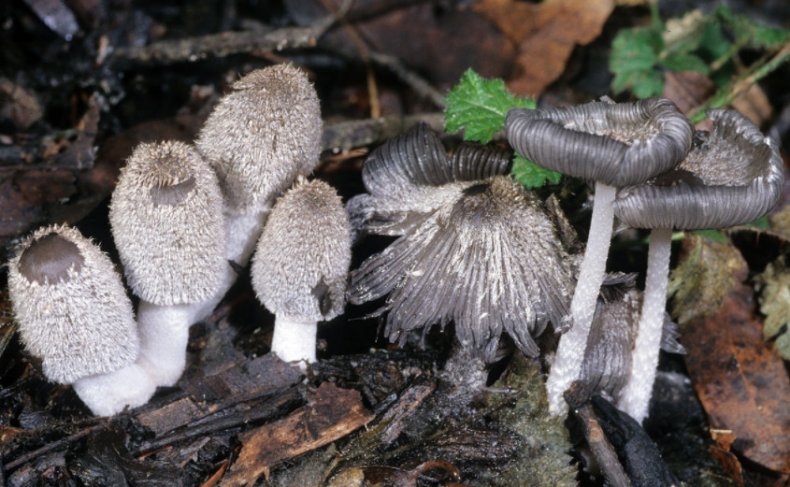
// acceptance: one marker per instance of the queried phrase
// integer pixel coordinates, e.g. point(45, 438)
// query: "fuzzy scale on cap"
point(301, 262)
point(166, 216)
point(618, 144)
point(732, 175)
point(263, 134)
point(74, 314)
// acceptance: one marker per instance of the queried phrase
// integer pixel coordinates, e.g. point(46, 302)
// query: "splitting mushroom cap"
point(166, 216)
point(484, 255)
point(618, 144)
point(71, 306)
point(732, 175)
point(263, 134)
point(300, 266)
point(411, 176)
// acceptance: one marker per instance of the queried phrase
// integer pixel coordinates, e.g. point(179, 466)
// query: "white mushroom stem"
point(294, 339)
point(164, 330)
point(567, 364)
point(109, 394)
point(635, 397)
point(242, 229)
point(164, 334)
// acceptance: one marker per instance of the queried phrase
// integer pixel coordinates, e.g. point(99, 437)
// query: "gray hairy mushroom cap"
point(618, 144)
point(481, 252)
point(732, 175)
point(411, 175)
point(300, 266)
point(263, 134)
point(166, 217)
point(71, 306)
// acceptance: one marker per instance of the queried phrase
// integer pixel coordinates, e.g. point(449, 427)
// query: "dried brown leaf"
point(546, 34)
point(330, 414)
point(741, 381)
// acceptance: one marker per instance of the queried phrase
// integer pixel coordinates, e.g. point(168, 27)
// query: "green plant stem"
point(743, 83)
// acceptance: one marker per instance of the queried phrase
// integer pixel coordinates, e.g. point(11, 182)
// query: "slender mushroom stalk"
point(74, 314)
point(474, 247)
point(731, 176)
point(166, 217)
point(259, 138)
point(614, 145)
point(300, 267)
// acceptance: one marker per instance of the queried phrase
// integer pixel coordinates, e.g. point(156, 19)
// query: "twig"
point(344, 136)
point(266, 411)
point(190, 49)
point(601, 448)
point(412, 79)
point(18, 462)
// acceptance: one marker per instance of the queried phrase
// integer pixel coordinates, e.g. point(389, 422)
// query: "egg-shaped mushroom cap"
point(300, 266)
point(618, 144)
point(167, 222)
point(263, 134)
point(732, 175)
point(490, 262)
point(411, 175)
point(71, 306)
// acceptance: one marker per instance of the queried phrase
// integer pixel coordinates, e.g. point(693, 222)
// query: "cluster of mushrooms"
point(184, 218)
point(473, 247)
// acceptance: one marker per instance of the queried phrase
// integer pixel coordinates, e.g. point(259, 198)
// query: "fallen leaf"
point(775, 305)
point(330, 414)
point(687, 89)
point(546, 33)
point(741, 381)
point(754, 104)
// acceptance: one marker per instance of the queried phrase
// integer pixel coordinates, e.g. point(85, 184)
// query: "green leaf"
point(531, 175)
point(751, 33)
point(479, 106)
point(685, 62)
point(713, 42)
point(635, 53)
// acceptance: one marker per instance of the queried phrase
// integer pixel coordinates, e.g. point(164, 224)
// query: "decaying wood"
point(331, 414)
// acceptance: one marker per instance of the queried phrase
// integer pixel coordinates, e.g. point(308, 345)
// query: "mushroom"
point(258, 139)
point(615, 145)
point(300, 267)
point(474, 247)
point(167, 222)
point(74, 314)
point(609, 352)
point(731, 176)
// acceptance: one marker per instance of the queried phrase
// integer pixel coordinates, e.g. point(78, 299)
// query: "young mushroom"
point(300, 267)
point(614, 145)
point(474, 248)
point(166, 217)
point(74, 314)
point(731, 176)
point(259, 138)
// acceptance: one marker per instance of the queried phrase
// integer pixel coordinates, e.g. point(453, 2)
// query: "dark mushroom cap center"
point(172, 194)
point(49, 259)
